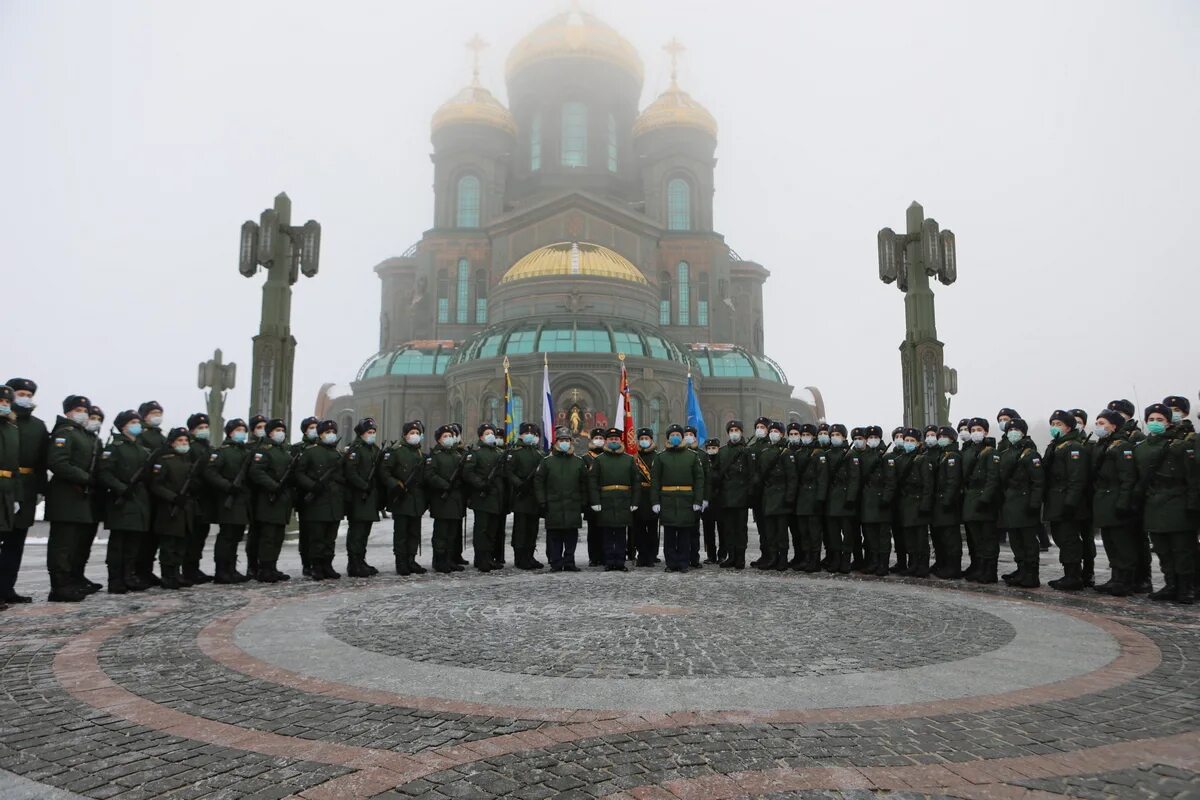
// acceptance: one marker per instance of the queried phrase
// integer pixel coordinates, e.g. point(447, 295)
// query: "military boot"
point(371, 571)
point(170, 578)
point(901, 565)
point(63, 590)
point(226, 574)
point(133, 580)
point(1029, 575)
point(1088, 573)
point(881, 565)
point(1119, 585)
point(265, 573)
point(1072, 580)
point(441, 564)
point(1185, 589)
point(1014, 578)
point(89, 587)
point(402, 568)
point(971, 573)
point(280, 577)
point(116, 580)
point(986, 573)
point(326, 567)
point(357, 568)
point(1169, 589)
point(415, 568)
point(844, 563)
point(1142, 583)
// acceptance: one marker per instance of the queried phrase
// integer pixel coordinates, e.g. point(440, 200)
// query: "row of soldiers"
point(845, 492)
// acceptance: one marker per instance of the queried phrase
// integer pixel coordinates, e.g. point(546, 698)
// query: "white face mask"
point(712, 451)
point(447, 441)
point(774, 436)
point(689, 440)
point(931, 441)
point(794, 438)
point(823, 439)
point(278, 436)
point(413, 438)
point(806, 438)
point(760, 433)
point(1101, 432)
point(23, 402)
point(964, 435)
point(311, 434)
point(1003, 424)
point(837, 441)
point(93, 425)
point(154, 420)
point(859, 444)
point(489, 439)
point(183, 449)
point(872, 442)
point(735, 436)
point(79, 417)
point(530, 439)
point(978, 436)
point(563, 447)
point(329, 438)
point(260, 433)
point(369, 438)
point(944, 441)
point(1176, 417)
point(203, 433)
point(598, 443)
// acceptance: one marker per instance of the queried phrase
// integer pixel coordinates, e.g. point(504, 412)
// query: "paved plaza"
point(646, 685)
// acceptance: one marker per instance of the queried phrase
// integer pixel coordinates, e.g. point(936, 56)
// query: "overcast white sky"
point(1058, 141)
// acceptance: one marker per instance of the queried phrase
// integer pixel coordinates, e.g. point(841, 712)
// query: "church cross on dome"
point(674, 49)
point(476, 45)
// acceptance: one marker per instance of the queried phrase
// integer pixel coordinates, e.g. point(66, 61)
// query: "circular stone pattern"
point(661, 627)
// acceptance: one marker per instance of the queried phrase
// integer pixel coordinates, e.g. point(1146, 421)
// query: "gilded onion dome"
point(575, 34)
point(574, 258)
point(675, 108)
point(474, 105)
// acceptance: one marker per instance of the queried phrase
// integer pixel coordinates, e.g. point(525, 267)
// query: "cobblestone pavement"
point(640, 686)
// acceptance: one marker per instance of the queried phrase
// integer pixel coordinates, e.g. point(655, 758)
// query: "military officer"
point(457, 550)
point(257, 435)
point(84, 552)
point(1021, 483)
point(981, 496)
point(33, 441)
point(72, 458)
point(404, 485)
point(1066, 465)
point(878, 496)
point(10, 467)
point(758, 440)
point(616, 481)
point(562, 488)
point(714, 551)
point(691, 442)
point(677, 497)
point(734, 476)
point(271, 474)
point(154, 439)
point(1003, 418)
point(171, 480)
point(777, 482)
point(362, 460)
point(644, 532)
point(227, 475)
point(204, 501)
point(1132, 433)
point(945, 521)
point(309, 438)
point(841, 504)
point(1114, 481)
point(897, 448)
point(855, 540)
point(484, 481)
point(443, 483)
point(1088, 535)
point(521, 465)
point(1167, 481)
point(320, 477)
point(595, 537)
point(914, 497)
point(123, 474)
point(812, 487)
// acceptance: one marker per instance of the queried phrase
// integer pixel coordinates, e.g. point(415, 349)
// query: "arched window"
point(461, 308)
point(574, 134)
point(493, 414)
point(517, 408)
point(481, 290)
point(635, 408)
point(679, 205)
point(612, 143)
point(664, 299)
point(443, 297)
point(655, 415)
point(684, 292)
point(535, 142)
point(468, 202)
point(702, 300)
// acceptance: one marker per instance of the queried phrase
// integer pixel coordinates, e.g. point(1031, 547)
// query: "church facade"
point(571, 228)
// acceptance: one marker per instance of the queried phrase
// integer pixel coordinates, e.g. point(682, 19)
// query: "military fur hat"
point(1175, 401)
point(598, 433)
point(980, 422)
point(6, 392)
point(73, 401)
point(1112, 417)
point(911, 433)
point(457, 428)
point(409, 427)
point(898, 430)
point(712, 443)
point(22, 385)
point(125, 417)
point(858, 433)
point(793, 427)
point(1018, 424)
point(196, 420)
point(931, 429)
point(274, 424)
point(148, 406)
point(674, 427)
point(1079, 413)
point(690, 429)
point(1125, 407)
point(325, 426)
point(442, 430)
point(1007, 412)
point(809, 428)
point(177, 433)
point(562, 433)
point(734, 423)
point(875, 430)
point(764, 421)
point(484, 426)
point(1157, 408)
point(531, 427)
point(96, 411)
point(776, 425)
point(1066, 418)
point(837, 427)
point(614, 432)
point(963, 423)
point(307, 422)
point(365, 424)
point(823, 427)
point(645, 432)
point(234, 424)
point(256, 420)
point(947, 431)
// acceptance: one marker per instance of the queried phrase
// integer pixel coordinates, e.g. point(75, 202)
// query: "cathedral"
point(572, 229)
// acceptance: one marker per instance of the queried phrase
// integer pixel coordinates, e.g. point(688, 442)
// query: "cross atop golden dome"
point(473, 104)
point(675, 108)
point(575, 34)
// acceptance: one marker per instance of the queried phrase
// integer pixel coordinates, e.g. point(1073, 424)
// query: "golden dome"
point(474, 105)
point(574, 258)
point(675, 108)
point(575, 34)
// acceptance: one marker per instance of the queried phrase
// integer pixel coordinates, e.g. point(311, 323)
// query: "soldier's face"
point(23, 393)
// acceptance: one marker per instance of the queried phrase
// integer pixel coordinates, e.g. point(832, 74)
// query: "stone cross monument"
point(218, 378)
point(910, 260)
point(286, 252)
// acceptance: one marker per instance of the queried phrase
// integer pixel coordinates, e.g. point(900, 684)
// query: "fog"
point(1057, 140)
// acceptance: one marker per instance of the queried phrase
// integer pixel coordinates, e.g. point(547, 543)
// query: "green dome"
point(412, 358)
point(731, 361)
point(523, 338)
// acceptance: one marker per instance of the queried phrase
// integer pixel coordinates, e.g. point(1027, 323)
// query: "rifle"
point(87, 488)
point(375, 468)
point(239, 480)
point(187, 485)
point(401, 487)
point(136, 477)
point(320, 482)
point(491, 476)
point(286, 476)
point(455, 476)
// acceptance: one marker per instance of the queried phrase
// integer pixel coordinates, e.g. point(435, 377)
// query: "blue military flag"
point(695, 417)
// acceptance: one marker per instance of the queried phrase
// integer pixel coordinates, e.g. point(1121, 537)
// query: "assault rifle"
point(286, 476)
point(186, 488)
point(319, 484)
point(239, 480)
point(139, 473)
